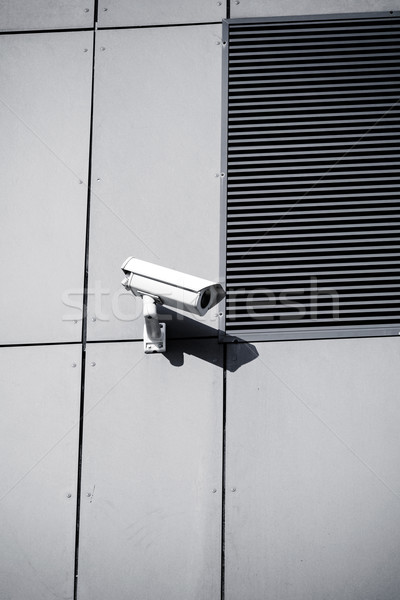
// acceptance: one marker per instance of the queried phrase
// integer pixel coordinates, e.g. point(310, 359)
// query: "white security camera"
point(159, 285)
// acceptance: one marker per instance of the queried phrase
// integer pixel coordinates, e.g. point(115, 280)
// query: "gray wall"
point(305, 435)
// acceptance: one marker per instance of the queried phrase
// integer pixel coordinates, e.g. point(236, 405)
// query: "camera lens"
point(205, 299)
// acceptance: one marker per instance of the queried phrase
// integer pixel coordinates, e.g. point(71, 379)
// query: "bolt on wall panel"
point(152, 472)
point(23, 15)
point(130, 13)
point(45, 81)
point(313, 485)
point(277, 8)
point(39, 432)
point(156, 161)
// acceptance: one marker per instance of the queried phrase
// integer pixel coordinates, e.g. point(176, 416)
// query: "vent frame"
point(295, 333)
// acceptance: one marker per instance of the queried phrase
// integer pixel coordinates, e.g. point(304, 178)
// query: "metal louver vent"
point(313, 180)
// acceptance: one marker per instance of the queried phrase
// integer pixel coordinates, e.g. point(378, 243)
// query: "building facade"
point(228, 467)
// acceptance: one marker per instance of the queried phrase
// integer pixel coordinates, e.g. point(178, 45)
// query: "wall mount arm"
point(154, 333)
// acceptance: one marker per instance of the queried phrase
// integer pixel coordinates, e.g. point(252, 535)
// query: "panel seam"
point(84, 325)
point(51, 30)
point(223, 472)
point(159, 26)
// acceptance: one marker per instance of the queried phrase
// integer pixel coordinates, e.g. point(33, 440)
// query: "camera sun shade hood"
point(170, 287)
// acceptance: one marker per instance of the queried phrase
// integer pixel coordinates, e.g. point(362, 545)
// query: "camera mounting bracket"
point(154, 333)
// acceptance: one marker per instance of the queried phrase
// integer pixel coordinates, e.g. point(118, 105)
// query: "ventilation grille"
point(313, 215)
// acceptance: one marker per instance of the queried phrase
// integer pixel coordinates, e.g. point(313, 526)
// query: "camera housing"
point(160, 285)
point(170, 287)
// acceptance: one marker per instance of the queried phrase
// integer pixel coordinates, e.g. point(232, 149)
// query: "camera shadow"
point(202, 343)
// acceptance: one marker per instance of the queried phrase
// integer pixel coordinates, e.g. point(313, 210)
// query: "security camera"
point(159, 285)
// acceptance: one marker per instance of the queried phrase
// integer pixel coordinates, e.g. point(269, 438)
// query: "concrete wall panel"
point(39, 431)
point(277, 8)
point(20, 15)
point(313, 448)
point(45, 81)
point(151, 522)
point(123, 13)
point(156, 157)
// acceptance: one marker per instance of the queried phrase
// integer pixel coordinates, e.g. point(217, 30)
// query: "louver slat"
point(313, 179)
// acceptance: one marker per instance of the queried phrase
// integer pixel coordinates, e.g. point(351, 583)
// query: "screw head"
point(85, 49)
point(105, 9)
point(102, 48)
point(93, 319)
point(73, 365)
point(219, 3)
point(218, 43)
point(233, 489)
point(237, 2)
point(86, 10)
point(92, 364)
point(88, 494)
point(69, 495)
point(213, 490)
